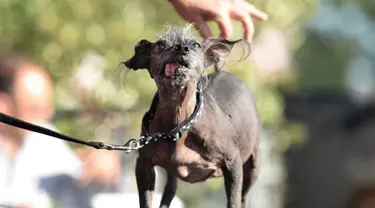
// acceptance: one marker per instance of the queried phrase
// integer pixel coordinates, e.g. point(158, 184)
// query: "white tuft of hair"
point(177, 34)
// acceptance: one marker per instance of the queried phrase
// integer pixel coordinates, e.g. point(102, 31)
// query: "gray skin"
point(223, 142)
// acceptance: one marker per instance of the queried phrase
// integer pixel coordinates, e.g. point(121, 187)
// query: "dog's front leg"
point(232, 172)
point(145, 176)
point(169, 191)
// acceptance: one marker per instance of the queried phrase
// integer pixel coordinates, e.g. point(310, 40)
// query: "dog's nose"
point(183, 49)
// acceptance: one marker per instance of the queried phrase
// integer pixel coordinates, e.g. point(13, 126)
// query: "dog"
point(224, 140)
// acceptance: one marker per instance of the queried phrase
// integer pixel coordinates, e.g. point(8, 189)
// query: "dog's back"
point(236, 102)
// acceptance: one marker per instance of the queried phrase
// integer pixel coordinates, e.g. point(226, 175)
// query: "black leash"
point(132, 144)
point(35, 128)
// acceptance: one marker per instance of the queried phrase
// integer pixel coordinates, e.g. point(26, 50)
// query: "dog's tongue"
point(170, 68)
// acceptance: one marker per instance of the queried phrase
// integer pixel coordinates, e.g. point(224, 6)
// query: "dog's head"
point(178, 58)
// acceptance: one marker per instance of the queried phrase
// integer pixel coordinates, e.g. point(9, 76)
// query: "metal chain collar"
point(174, 134)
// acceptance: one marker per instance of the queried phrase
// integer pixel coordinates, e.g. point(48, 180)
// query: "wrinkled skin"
point(223, 142)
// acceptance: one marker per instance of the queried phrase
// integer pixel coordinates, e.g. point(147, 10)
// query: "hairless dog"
point(222, 141)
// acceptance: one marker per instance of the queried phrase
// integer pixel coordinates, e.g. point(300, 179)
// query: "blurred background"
point(312, 71)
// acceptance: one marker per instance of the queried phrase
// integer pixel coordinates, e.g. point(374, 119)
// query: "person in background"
point(220, 11)
point(36, 170)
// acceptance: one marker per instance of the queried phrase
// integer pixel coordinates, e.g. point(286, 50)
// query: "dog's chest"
point(182, 151)
point(189, 160)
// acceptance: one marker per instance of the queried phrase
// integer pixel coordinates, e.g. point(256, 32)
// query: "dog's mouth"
point(174, 69)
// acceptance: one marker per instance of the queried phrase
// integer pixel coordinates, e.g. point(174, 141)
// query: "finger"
point(247, 25)
point(202, 27)
point(254, 12)
point(225, 26)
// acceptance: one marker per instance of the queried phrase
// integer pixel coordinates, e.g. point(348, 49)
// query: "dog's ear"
point(216, 49)
point(141, 58)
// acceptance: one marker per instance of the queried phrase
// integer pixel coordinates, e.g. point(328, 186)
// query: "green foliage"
point(316, 72)
point(58, 33)
point(323, 62)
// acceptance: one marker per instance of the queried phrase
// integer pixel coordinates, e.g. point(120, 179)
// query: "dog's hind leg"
point(169, 191)
point(251, 172)
point(232, 172)
point(145, 176)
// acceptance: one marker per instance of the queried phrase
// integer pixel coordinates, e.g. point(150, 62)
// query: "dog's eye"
point(160, 45)
point(196, 45)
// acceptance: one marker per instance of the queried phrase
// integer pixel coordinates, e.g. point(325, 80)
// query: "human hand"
point(102, 166)
point(220, 11)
